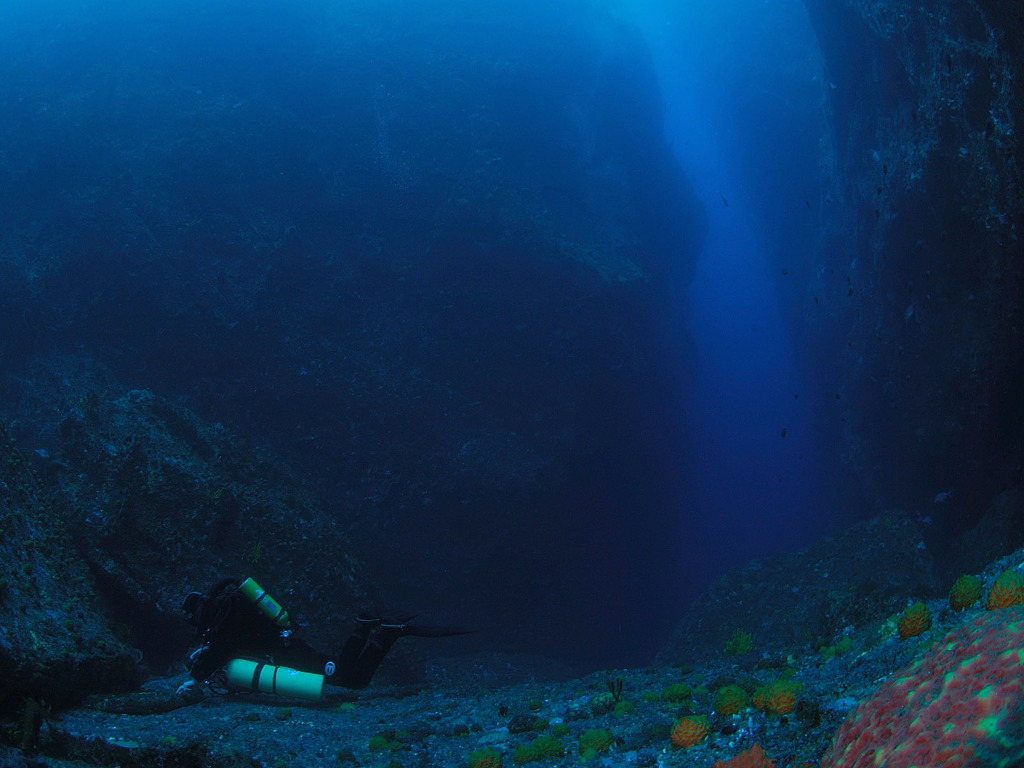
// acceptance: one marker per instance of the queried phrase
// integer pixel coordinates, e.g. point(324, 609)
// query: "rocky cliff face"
point(420, 256)
point(918, 290)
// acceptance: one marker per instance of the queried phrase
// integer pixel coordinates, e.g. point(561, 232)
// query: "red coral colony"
point(951, 708)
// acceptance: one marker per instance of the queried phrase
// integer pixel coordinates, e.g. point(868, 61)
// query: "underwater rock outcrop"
point(55, 643)
point(123, 502)
point(788, 602)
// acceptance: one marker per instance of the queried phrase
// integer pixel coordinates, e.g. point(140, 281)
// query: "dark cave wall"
point(920, 278)
point(423, 258)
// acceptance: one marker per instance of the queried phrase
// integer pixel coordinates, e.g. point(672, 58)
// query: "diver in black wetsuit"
point(237, 619)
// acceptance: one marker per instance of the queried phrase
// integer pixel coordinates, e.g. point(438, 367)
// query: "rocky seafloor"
point(854, 586)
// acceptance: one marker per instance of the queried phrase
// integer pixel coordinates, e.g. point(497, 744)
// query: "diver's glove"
point(186, 688)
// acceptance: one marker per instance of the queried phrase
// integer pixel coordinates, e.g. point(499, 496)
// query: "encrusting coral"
point(957, 703)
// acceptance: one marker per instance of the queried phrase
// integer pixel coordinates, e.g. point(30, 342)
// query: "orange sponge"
point(690, 731)
point(965, 592)
point(730, 700)
point(755, 757)
point(779, 697)
point(916, 620)
point(1007, 592)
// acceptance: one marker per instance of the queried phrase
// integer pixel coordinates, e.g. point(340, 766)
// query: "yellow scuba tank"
point(284, 681)
point(268, 606)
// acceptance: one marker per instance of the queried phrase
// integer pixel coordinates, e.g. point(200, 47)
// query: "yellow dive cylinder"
point(268, 606)
point(285, 681)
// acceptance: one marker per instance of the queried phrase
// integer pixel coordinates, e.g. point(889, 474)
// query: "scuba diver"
point(248, 642)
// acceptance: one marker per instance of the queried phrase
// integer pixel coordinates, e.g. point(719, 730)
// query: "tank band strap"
point(256, 676)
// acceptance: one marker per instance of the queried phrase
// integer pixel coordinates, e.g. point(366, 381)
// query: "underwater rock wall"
point(916, 301)
point(422, 254)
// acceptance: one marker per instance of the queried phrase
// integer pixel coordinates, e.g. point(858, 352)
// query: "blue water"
point(238, 205)
point(754, 483)
point(754, 438)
